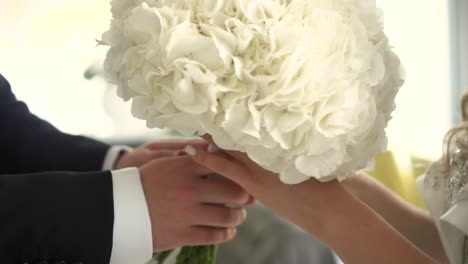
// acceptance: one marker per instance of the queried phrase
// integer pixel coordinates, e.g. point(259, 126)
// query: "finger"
point(234, 154)
point(217, 215)
point(201, 235)
point(251, 202)
point(242, 157)
point(207, 137)
point(163, 153)
point(176, 144)
point(222, 191)
point(180, 153)
point(176, 164)
point(219, 163)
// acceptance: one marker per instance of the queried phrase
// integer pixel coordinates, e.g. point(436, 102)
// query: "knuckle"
point(224, 235)
point(216, 235)
point(238, 196)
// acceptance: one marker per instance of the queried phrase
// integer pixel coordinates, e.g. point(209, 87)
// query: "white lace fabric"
point(446, 197)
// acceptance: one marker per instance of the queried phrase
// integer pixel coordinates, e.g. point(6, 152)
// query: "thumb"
point(221, 164)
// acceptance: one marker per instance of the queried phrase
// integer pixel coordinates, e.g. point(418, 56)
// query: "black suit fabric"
point(55, 204)
point(30, 144)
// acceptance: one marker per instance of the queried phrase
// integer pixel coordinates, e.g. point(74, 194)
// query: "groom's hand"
point(186, 207)
point(155, 150)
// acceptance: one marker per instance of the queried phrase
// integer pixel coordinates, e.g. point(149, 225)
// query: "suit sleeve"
point(56, 216)
point(33, 145)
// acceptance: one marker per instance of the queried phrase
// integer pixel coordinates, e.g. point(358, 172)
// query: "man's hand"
point(186, 207)
point(160, 149)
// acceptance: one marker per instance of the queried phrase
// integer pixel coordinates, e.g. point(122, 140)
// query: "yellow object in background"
point(399, 171)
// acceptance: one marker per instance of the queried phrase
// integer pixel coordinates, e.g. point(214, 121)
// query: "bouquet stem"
point(192, 255)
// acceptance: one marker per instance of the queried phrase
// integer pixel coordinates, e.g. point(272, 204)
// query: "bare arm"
point(327, 210)
point(413, 223)
point(358, 234)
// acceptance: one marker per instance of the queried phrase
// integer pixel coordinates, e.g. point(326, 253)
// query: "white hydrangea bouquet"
point(304, 87)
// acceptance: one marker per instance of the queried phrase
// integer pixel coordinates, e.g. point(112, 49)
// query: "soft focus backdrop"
point(47, 45)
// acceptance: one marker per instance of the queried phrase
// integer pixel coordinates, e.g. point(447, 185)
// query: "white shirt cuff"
point(112, 155)
point(132, 241)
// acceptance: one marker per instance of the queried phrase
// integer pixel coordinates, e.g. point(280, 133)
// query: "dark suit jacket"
point(47, 214)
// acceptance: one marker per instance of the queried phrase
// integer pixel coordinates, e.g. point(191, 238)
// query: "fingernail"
point(244, 214)
point(251, 201)
point(190, 150)
point(231, 231)
point(213, 148)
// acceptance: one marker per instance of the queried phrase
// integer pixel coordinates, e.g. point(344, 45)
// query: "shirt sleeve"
point(112, 154)
point(132, 236)
point(450, 220)
point(454, 229)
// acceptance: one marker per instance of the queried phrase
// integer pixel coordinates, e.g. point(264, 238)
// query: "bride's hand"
point(290, 201)
point(328, 211)
point(154, 150)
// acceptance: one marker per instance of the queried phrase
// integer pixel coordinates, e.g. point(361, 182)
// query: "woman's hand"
point(290, 201)
point(155, 150)
point(327, 210)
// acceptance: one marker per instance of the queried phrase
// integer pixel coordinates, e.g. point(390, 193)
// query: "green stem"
point(193, 255)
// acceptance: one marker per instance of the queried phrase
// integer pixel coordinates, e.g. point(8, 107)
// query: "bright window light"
point(46, 46)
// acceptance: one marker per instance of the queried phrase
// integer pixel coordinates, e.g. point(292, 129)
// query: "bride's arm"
point(326, 210)
point(356, 233)
point(414, 223)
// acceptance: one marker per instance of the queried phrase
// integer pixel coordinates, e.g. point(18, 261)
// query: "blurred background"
point(49, 53)
point(47, 45)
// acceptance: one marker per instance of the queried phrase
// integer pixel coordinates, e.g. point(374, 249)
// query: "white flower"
point(304, 87)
